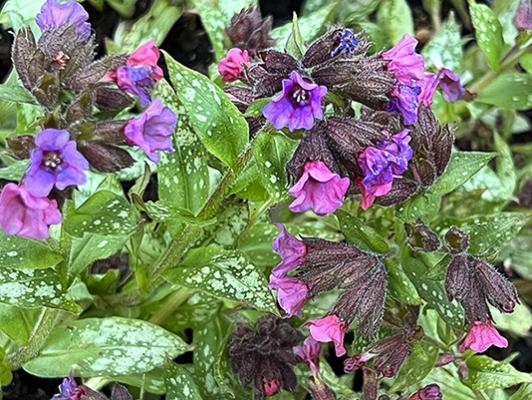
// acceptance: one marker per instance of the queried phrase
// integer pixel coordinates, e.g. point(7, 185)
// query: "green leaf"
point(180, 384)
point(153, 381)
point(310, 26)
point(450, 384)
point(214, 22)
point(105, 346)
point(488, 32)
point(18, 252)
point(229, 275)
point(295, 44)
point(399, 285)
point(357, 232)
point(14, 171)
point(29, 288)
point(422, 205)
point(462, 166)
point(524, 393)
point(216, 121)
point(417, 366)
point(126, 8)
point(272, 151)
point(518, 322)
point(511, 90)
point(15, 94)
point(526, 62)
point(396, 19)
point(104, 213)
point(445, 47)
point(183, 175)
point(18, 13)
point(486, 373)
point(18, 323)
point(154, 24)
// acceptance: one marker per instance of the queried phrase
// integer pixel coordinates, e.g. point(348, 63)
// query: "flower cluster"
point(62, 60)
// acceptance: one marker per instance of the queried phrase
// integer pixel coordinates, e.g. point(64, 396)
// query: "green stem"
point(479, 395)
point(170, 305)
point(508, 62)
point(42, 329)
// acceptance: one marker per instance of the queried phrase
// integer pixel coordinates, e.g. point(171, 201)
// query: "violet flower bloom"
point(309, 352)
point(23, 214)
point(140, 72)
point(292, 294)
point(428, 87)
point(291, 250)
point(404, 100)
point(381, 165)
point(54, 14)
point(69, 390)
point(523, 16)
point(429, 392)
point(55, 161)
point(348, 44)
point(329, 329)
point(450, 85)
point(318, 189)
point(481, 336)
point(231, 66)
point(407, 66)
point(356, 362)
point(297, 105)
point(152, 130)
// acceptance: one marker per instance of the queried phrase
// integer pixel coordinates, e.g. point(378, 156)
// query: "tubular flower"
point(54, 14)
point(318, 189)
point(450, 85)
point(55, 161)
point(152, 130)
point(481, 336)
point(329, 329)
point(291, 250)
point(297, 105)
point(23, 214)
point(231, 66)
point(309, 352)
point(292, 294)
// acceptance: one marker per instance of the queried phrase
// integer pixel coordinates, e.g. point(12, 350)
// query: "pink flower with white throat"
point(318, 189)
point(481, 336)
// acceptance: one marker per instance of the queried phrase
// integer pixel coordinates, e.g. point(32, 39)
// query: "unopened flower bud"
point(457, 240)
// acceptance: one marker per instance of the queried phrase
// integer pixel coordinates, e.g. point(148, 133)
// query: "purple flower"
point(429, 392)
point(329, 329)
point(348, 44)
point(318, 189)
point(140, 72)
point(523, 15)
point(54, 14)
point(482, 336)
point(450, 85)
point(55, 161)
point(381, 165)
point(69, 390)
point(291, 250)
point(356, 362)
point(407, 66)
point(428, 87)
point(309, 352)
point(152, 130)
point(292, 294)
point(297, 105)
point(404, 100)
point(25, 215)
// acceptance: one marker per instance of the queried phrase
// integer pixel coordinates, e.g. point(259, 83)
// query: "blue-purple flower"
point(152, 130)
point(291, 249)
point(54, 162)
point(54, 14)
point(404, 100)
point(381, 165)
point(347, 44)
point(297, 105)
point(450, 85)
point(69, 390)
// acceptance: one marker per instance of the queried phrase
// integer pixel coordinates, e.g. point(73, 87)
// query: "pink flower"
point(23, 214)
point(231, 66)
point(523, 16)
point(291, 294)
point(329, 329)
point(318, 189)
point(309, 352)
point(428, 87)
point(450, 85)
point(147, 55)
point(407, 66)
point(291, 250)
point(429, 392)
point(271, 386)
point(481, 336)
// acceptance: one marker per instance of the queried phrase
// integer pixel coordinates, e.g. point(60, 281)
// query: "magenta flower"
point(271, 386)
point(404, 100)
point(54, 14)
point(140, 72)
point(381, 165)
point(297, 105)
point(429, 392)
point(292, 294)
point(523, 16)
point(428, 87)
point(23, 214)
point(309, 352)
point(450, 85)
point(481, 336)
point(152, 130)
point(55, 162)
point(318, 189)
point(356, 362)
point(407, 66)
point(329, 329)
point(291, 250)
point(231, 66)
point(69, 390)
